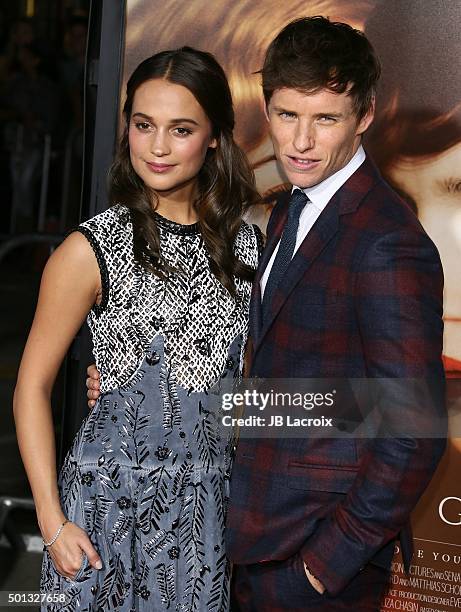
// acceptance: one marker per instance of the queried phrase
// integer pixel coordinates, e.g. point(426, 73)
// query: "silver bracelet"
point(56, 536)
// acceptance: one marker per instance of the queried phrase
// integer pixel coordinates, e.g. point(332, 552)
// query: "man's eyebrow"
point(172, 121)
point(282, 109)
point(327, 114)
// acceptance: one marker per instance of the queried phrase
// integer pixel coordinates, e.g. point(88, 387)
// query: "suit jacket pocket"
point(330, 479)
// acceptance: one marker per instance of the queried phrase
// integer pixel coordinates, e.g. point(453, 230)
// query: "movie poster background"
point(416, 141)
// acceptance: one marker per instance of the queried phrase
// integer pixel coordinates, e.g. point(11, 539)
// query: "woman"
point(165, 275)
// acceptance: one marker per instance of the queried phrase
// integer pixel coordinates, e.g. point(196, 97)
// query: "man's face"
point(314, 135)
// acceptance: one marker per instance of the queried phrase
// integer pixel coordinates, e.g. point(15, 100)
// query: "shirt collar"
point(322, 193)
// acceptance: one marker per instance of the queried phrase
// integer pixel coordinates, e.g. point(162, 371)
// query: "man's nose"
point(304, 137)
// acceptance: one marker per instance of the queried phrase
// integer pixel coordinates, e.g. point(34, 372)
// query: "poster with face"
point(416, 142)
point(416, 137)
point(238, 34)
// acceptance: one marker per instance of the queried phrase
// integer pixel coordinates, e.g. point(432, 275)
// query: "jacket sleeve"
point(398, 297)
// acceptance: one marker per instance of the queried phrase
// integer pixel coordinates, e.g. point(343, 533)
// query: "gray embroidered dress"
point(147, 475)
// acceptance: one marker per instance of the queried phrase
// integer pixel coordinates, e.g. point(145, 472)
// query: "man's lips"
point(159, 168)
point(299, 163)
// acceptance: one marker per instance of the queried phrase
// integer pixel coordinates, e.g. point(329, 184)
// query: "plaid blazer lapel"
point(346, 200)
point(318, 237)
point(273, 239)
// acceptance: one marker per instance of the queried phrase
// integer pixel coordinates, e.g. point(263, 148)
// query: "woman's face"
point(169, 135)
point(435, 186)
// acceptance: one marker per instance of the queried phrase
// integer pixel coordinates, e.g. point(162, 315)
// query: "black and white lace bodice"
point(196, 316)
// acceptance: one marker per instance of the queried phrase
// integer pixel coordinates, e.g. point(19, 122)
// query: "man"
point(349, 286)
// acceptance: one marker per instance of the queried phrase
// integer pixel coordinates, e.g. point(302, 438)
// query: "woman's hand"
point(68, 549)
point(92, 384)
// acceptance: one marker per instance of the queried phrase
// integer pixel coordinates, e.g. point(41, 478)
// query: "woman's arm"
point(70, 286)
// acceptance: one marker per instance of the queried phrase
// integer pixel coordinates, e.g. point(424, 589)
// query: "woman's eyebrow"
point(184, 120)
point(172, 121)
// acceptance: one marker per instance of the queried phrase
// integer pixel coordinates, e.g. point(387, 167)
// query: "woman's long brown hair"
point(226, 185)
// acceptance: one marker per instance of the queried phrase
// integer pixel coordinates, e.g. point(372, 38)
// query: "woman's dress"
point(147, 475)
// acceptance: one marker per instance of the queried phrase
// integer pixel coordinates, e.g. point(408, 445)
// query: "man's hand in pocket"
point(315, 583)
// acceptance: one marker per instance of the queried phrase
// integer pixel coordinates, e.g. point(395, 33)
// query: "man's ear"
point(367, 119)
point(266, 110)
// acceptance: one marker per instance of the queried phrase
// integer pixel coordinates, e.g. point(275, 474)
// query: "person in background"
point(31, 102)
point(72, 66)
point(22, 34)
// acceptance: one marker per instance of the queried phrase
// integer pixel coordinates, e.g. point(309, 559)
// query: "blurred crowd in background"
point(42, 61)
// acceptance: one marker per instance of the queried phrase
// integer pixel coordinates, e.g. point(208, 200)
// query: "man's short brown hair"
point(314, 53)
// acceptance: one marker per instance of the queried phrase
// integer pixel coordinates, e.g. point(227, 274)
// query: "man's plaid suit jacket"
point(362, 298)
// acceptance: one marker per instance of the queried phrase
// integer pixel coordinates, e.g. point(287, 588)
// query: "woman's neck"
point(178, 206)
point(183, 213)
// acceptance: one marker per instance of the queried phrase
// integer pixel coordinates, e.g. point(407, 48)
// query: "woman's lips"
point(299, 163)
point(159, 168)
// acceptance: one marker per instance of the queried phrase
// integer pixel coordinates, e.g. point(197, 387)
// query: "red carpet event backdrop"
point(416, 142)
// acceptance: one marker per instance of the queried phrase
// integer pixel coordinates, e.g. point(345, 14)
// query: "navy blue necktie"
point(286, 249)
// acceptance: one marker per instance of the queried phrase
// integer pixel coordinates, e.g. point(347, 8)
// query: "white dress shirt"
point(319, 196)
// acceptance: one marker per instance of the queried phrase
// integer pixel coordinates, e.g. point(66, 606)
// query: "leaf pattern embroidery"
point(147, 474)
